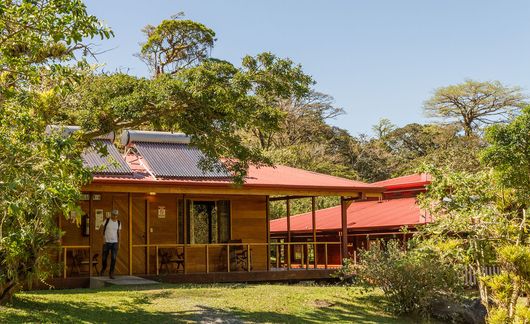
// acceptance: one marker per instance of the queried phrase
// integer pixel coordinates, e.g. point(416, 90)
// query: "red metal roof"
point(258, 177)
point(363, 215)
point(408, 181)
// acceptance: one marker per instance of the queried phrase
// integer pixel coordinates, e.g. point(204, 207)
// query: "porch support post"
point(288, 207)
point(148, 238)
point(314, 224)
point(344, 221)
point(130, 237)
point(91, 229)
point(267, 219)
point(185, 218)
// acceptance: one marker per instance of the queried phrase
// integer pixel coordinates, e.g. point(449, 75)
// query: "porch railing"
point(279, 255)
point(64, 252)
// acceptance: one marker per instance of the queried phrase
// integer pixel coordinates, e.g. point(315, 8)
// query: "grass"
point(217, 303)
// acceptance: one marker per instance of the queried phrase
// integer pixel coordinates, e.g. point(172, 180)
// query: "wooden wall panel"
point(73, 230)
point(249, 225)
point(139, 233)
point(163, 230)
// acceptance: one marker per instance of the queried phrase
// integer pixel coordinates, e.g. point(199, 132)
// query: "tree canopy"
point(472, 104)
point(175, 44)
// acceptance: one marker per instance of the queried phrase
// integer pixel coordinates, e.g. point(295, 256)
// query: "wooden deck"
point(212, 277)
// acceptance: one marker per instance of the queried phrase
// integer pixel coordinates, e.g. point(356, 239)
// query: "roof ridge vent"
point(128, 137)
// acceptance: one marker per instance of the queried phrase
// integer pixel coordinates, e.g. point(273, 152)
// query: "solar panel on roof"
point(113, 163)
point(177, 160)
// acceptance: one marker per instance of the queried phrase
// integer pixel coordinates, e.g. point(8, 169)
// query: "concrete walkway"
point(99, 282)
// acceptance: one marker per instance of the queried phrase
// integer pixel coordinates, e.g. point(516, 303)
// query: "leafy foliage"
point(507, 286)
point(509, 153)
point(411, 280)
point(176, 44)
point(41, 175)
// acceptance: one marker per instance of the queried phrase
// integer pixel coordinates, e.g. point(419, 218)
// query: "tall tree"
point(473, 103)
point(213, 101)
point(175, 44)
point(508, 154)
point(41, 52)
point(383, 128)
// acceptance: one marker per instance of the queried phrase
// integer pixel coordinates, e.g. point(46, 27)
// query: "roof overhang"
point(188, 187)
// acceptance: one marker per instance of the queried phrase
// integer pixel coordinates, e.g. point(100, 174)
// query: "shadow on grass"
point(360, 309)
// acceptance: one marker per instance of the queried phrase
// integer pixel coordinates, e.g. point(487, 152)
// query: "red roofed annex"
point(367, 220)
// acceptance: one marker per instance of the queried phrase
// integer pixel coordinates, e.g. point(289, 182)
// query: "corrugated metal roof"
point(392, 213)
point(176, 161)
point(113, 163)
point(412, 180)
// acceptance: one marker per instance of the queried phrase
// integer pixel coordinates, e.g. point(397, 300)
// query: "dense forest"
point(452, 140)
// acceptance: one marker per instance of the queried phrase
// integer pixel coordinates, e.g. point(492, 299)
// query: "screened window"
point(208, 221)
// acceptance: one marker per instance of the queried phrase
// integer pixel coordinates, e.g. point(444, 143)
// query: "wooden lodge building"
point(183, 224)
point(368, 221)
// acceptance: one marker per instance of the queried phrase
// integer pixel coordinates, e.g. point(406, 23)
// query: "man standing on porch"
point(111, 233)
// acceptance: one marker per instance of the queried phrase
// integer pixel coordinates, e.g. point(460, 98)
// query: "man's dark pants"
point(113, 249)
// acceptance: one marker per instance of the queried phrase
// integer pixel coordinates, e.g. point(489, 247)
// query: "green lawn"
point(219, 303)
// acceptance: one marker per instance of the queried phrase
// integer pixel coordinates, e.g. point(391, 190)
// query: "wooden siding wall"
point(73, 235)
point(139, 232)
point(248, 223)
point(108, 202)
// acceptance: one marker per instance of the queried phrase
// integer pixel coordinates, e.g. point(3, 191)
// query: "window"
point(208, 221)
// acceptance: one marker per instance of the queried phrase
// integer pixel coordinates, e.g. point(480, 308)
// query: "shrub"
point(411, 280)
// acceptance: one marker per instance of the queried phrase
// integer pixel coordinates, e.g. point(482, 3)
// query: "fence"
point(471, 280)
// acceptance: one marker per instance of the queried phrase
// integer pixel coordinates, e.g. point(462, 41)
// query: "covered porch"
point(195, 237)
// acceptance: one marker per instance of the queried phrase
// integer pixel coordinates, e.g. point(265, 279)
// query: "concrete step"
point(99, 282)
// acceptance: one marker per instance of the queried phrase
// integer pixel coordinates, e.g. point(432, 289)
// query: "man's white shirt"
point(111, 232)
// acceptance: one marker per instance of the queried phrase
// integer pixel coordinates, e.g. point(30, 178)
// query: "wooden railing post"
point(64, 263)
point(207, 259)
point(228, 257)
point(288, 256)
point(302, 254)
point(278, 256)
point(248, 257)
point(326, 255)
point(185, 255)
point(307, 258)
point(156, 260)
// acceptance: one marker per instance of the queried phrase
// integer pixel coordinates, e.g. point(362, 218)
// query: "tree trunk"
point(7, 291)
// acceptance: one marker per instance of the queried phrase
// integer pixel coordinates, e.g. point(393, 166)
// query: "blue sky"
point(376, 58)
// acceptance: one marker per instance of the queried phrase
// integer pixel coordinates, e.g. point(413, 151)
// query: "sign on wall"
point(161, 211)
point(99, 218)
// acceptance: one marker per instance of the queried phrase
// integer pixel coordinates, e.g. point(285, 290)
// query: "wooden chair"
point(81, 259)
point(239, 255)
point(167, 257)
point(243, 258)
